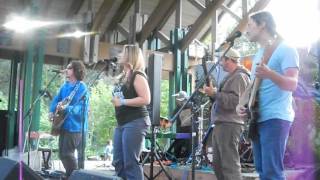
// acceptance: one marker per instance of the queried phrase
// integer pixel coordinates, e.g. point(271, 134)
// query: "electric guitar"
point(249, 98)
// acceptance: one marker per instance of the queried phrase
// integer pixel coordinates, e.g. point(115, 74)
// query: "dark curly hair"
point(78, 69)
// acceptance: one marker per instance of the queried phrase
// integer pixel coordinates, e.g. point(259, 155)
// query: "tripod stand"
point(153, 155)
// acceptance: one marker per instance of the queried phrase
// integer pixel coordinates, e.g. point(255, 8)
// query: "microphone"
point(113, 59)
point(57, 70)
point(234, 36)
point(229, 40)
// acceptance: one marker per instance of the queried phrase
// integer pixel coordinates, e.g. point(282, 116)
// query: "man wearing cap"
point(228, 124)
point(182, 147)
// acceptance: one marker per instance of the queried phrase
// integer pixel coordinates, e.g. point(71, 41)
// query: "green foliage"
point(101, 115)
point(4, 84)
point(164, 111)
point(4, 101)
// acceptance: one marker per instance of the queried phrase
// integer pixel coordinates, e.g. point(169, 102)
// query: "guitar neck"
point(205, 73)
point(253, 94)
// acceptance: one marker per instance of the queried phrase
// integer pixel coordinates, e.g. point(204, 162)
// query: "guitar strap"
point(71, 95)
point(266, 57)
point(269, 51)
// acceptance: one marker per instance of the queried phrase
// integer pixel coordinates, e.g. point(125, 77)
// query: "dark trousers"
point(68, 143)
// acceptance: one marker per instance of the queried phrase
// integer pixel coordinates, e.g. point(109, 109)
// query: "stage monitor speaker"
point(92, 175)
point(10, 170)
point(4, 133)
point(154, 75)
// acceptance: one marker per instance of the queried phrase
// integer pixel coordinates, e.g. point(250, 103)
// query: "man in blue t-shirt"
point(72, 102)
point(279, 77)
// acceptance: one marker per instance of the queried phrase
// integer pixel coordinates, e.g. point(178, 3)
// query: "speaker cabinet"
point(10, 170)
point(154, 75)
point(4, 132)
point(92, 175)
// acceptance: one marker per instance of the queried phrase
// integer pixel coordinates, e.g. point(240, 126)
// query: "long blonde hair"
point(132, 55)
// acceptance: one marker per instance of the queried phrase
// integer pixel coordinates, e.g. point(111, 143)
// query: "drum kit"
point(203, 150)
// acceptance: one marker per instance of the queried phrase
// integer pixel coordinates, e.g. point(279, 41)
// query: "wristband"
point(122, 102)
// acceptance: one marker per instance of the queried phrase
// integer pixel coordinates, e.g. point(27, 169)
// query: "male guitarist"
point(228, 125)
point(278, 73)
point(71, 102)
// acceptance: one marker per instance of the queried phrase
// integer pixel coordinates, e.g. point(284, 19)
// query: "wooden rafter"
point(221, 14)
point(74, 8)
point(165, 39)
point(166, 17)
point(119, 15)
point(123, 30)
point(202, 20)
point(157, 17)
point(257, 7)
point(101, 14)
point(228, 10)
point(197, 4)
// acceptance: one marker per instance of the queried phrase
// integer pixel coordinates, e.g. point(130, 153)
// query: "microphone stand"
point(29, 114)
point(191, 98)
point(83, 98)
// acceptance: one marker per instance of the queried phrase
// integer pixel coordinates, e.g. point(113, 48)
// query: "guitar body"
point(57, 121)
point(248, 99)
point(253, 116)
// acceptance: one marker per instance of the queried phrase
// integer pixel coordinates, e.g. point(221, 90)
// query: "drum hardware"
point(200, 152)
point(194, 109)
point(153, 155)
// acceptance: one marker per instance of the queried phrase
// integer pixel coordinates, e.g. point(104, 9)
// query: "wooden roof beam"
point(157, 17)
point(197, 4)
point(119, 15)
point(166, 17)
point(101, 14)
point(221, 14)
point(124, 31)
point(228, 10)
point(165, 39)
point(202, 20)
point(257, 7)
point(74, 8)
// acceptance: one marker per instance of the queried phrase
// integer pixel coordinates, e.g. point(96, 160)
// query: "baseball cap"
point(233, 54)
point(181, 96)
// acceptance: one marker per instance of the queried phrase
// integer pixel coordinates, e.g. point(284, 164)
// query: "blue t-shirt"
point(273, 101)
point(74, 112)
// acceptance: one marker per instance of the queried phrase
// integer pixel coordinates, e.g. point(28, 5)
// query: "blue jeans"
point(269, 148)
point(128, 140)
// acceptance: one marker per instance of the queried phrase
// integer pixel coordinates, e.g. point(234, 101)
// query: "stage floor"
point(176, 172)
